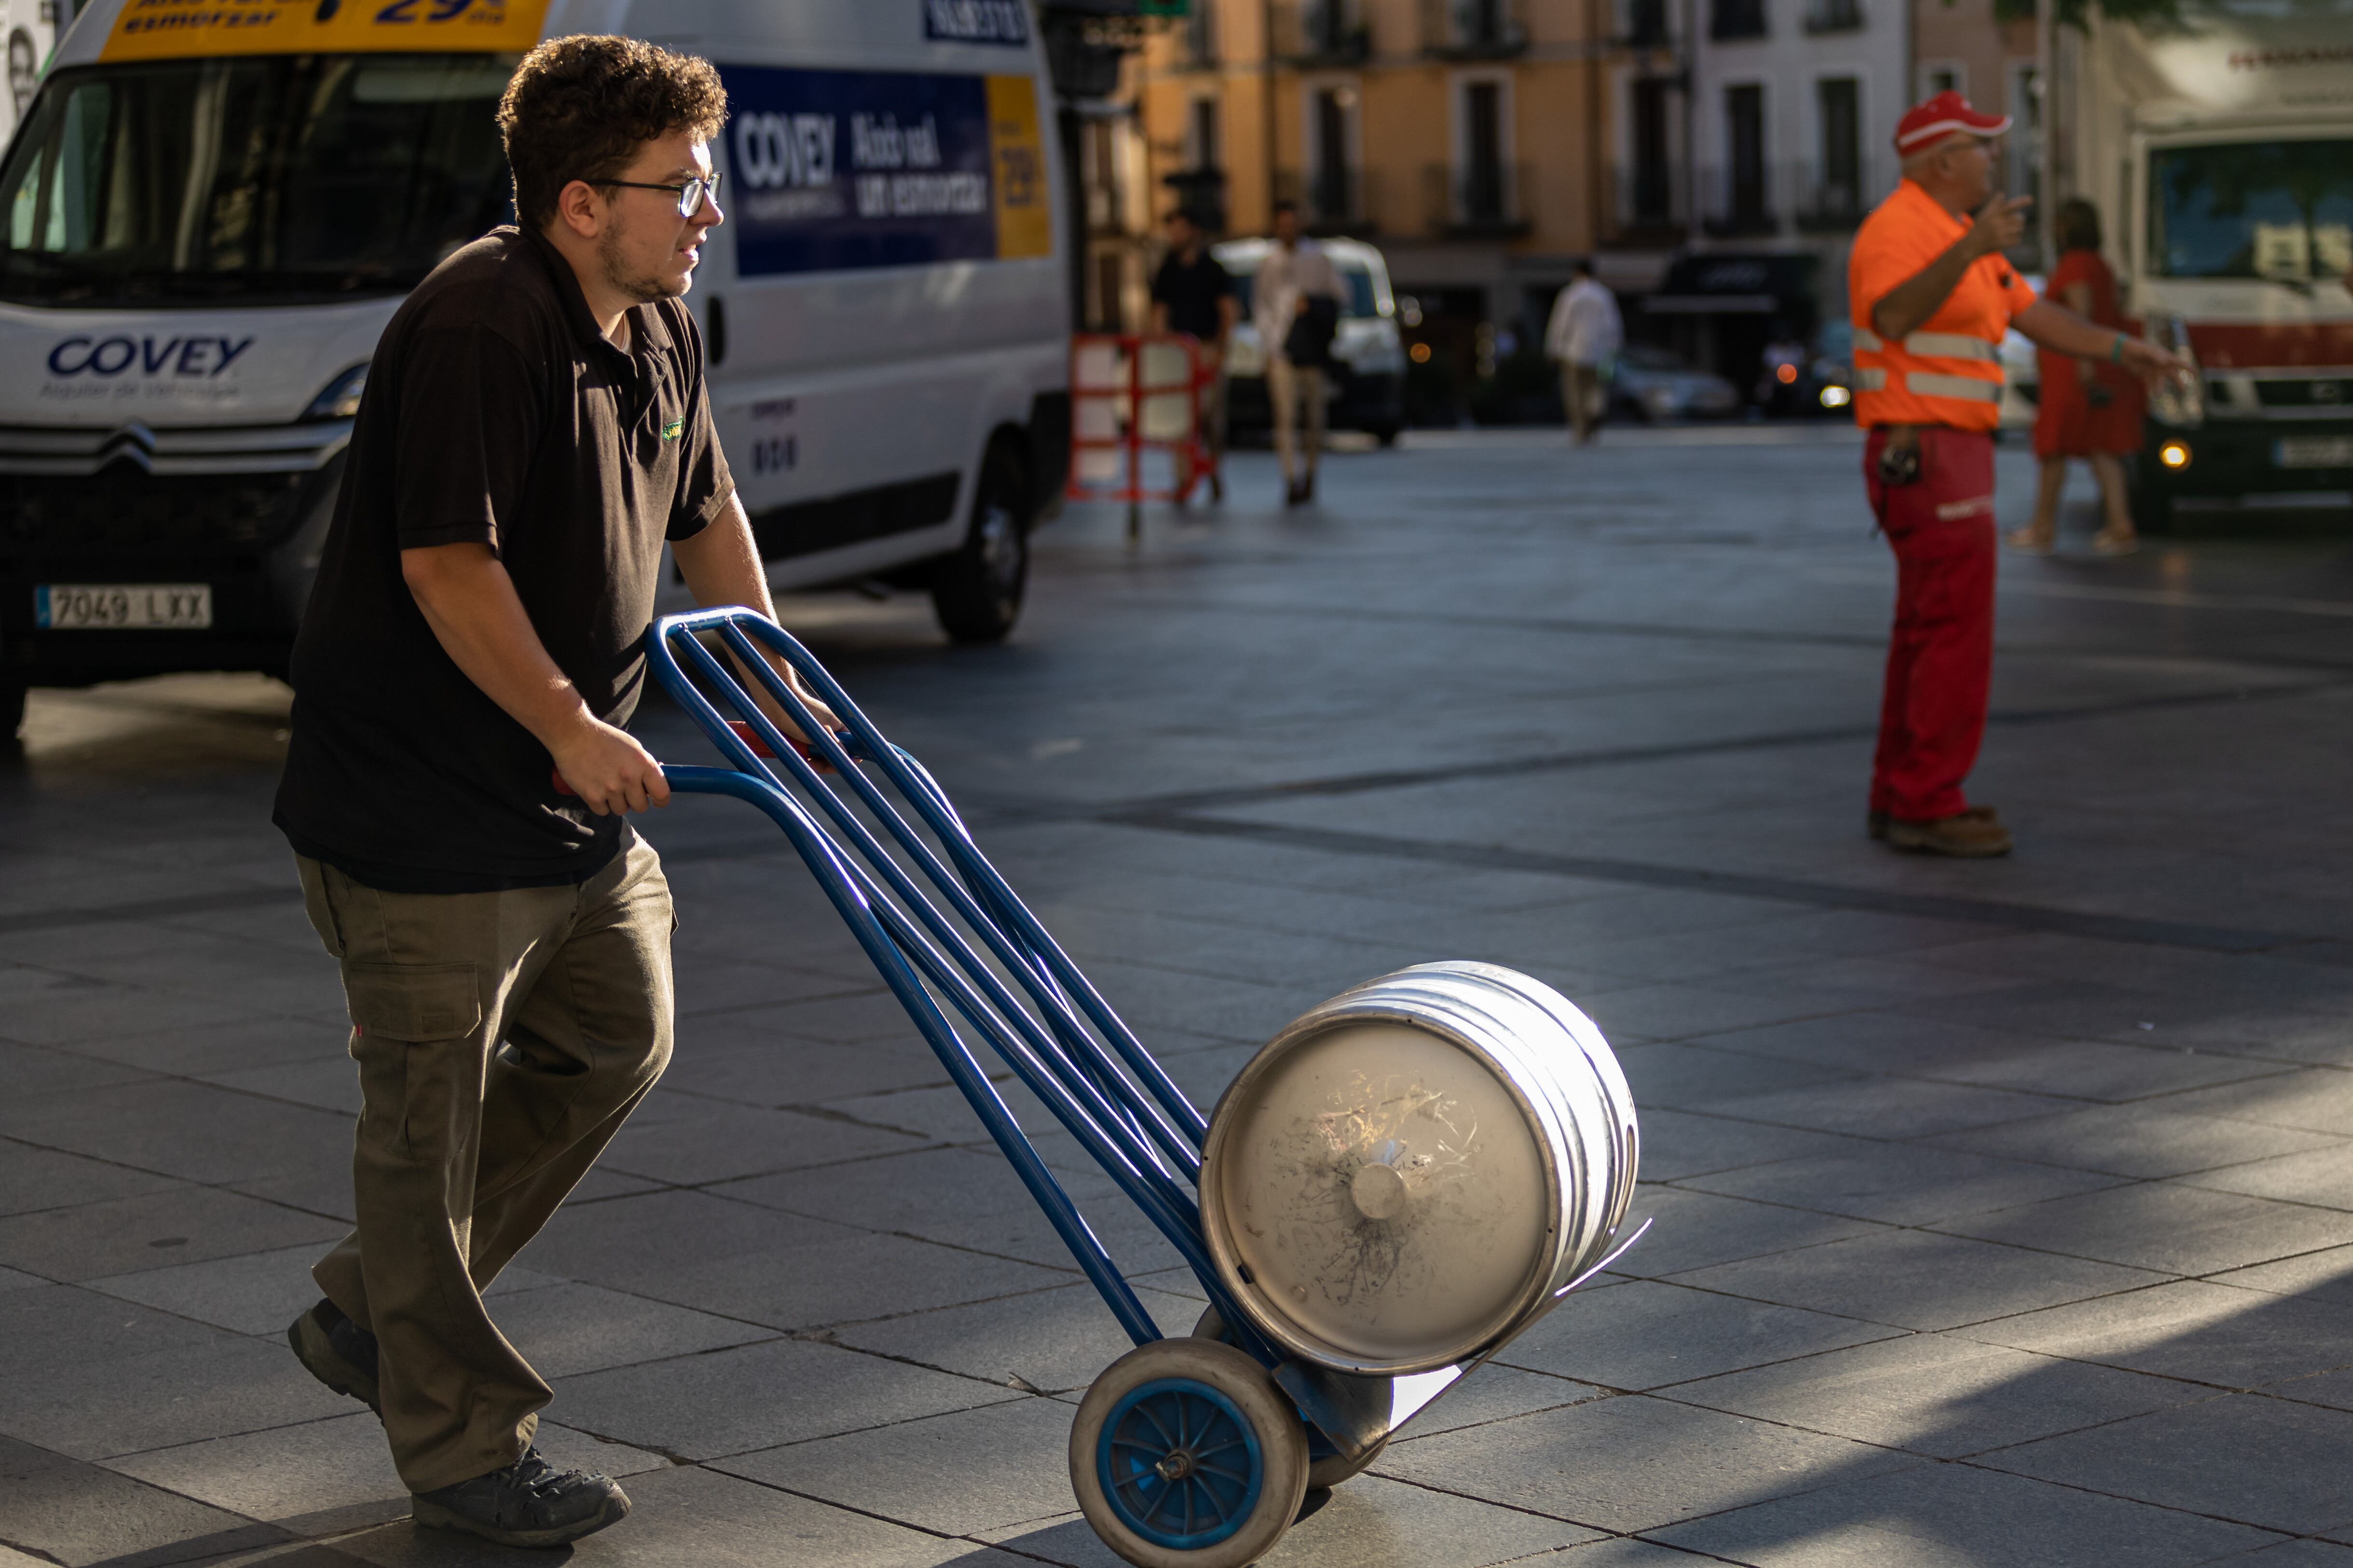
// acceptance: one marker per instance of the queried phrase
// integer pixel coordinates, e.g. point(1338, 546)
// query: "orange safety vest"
point(1949, 371)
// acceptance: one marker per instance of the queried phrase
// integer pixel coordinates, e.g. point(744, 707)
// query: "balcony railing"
point(1474, 29)
point(1321, 33)
point(1833, 15)
point(1333, 201)
point(1648, 207)
point(1834, 201)
point(1477, 200)
point(1732, 206)
point(1203, 191)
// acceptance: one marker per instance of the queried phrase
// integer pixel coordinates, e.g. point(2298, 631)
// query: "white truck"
point(2219, 153)
point(212, 210)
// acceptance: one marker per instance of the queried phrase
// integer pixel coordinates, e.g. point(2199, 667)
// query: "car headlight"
point(341, 400)
point(1836, 397)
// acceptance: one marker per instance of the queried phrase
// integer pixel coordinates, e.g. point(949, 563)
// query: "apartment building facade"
point(1473, 141)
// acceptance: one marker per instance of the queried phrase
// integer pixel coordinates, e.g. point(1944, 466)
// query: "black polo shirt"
point(1192, 292)
point(495, 412)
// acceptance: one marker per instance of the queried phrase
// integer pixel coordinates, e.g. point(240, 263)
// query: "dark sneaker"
point(1875, 824)
point(529, 1503)
point(338, 1352)
point(1976, 834)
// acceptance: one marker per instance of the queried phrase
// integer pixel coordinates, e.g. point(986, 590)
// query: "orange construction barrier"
point(1135, 418)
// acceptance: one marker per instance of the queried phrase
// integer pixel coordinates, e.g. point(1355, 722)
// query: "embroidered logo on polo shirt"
point(672, 431)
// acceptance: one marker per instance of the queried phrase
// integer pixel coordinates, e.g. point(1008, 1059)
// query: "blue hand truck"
point(1191, 1452)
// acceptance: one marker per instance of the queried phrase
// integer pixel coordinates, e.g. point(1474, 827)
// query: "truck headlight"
point(341, 400)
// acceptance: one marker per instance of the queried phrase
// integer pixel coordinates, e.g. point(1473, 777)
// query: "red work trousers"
point(1940, 657)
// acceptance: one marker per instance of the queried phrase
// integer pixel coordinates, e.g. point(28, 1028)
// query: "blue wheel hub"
point(1179, 1464)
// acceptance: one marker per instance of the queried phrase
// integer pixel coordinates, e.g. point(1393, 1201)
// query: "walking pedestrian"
point(1584, 333)
point(535, 426)
point(1193, 294)
point(2086, 409)
point(1932, 297)
point(1295, 305)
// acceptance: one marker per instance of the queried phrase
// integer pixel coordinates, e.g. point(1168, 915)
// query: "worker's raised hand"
point(1999, 223)
point(607, 768)
point(2151, 364)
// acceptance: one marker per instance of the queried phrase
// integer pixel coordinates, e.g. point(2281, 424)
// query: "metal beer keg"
point(1414, 1170)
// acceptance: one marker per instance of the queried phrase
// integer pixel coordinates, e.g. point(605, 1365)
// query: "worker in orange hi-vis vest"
point(1932, 297)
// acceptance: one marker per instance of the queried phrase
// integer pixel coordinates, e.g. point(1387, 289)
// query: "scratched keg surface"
point(2003, 1211)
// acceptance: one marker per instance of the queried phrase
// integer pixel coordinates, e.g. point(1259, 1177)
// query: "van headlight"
point(341, 400)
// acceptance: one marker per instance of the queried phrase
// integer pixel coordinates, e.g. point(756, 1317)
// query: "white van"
point(212, 212)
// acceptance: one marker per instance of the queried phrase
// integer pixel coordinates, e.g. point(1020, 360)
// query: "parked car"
point(1367, 391)
point(1655, 382)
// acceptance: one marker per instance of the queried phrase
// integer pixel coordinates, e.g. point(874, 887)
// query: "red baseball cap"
point(1947, 114)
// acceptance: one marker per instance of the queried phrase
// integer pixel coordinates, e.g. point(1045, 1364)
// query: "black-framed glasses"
point(690, 196)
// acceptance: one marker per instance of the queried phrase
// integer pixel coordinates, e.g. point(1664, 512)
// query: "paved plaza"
point(2004, 1210)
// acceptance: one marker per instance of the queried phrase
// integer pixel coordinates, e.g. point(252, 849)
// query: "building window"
point(1200, 186)
point(1746, 210)
point(1833, 15)
point(2023, 156)
point(1201, 135)
point(1838, 194)
point(1200, 35)
point(1483, 154)
point(1653, 195)
point(1736, 19)
point(1943, 76)
point(1332, 191)
point(1644, 24)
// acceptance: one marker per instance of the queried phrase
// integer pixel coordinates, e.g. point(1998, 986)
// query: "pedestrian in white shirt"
point(1294, 272)
point(1585, 331)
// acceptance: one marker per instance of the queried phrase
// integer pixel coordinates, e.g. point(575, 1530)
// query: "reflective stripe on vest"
point(1929, 384)
point(1952, 345)
point(1871, 380)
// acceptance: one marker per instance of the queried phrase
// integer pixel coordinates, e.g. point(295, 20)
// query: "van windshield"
point(259, 180)
point(2281, 210)
point(1356, 279)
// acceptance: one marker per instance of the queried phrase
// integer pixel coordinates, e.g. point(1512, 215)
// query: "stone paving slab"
point(1989, 1197)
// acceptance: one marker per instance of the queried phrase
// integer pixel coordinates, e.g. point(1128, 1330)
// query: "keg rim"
point(1355, 1006)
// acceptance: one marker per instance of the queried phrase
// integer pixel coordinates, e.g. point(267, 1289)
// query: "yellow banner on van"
point(179, 29)
point(1025, 219)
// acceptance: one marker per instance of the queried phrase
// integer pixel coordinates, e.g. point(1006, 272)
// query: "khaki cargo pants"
point(502, 1038)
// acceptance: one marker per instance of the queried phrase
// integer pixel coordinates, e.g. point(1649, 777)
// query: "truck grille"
point(2305, 392)
point(124, 511)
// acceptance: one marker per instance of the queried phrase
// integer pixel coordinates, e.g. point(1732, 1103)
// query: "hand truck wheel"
point(1325, 1468)
point(1185, 1454)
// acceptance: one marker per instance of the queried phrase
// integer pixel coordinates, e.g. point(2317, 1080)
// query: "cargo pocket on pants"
point(397, 1009)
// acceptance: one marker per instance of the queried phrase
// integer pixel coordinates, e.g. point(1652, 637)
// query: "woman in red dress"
point(2086, 409)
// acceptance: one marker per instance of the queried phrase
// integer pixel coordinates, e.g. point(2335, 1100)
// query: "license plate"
point(117, 606)
point(2314, 452)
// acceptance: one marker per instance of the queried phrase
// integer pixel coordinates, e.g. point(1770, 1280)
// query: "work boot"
point(337, 1352)
point(529, 1503)
point(1975, 833)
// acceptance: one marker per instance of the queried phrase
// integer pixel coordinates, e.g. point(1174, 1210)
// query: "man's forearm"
point(472, 605)
point(722, 563)
point(721, 567)
point(2060, 330)
point(1904, 308)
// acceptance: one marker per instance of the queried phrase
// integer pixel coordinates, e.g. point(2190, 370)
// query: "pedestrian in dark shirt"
point(535, 426)
point(1193, 294)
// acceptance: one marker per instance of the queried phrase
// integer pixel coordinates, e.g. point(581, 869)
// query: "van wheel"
point(976, 591)
point(12, 706)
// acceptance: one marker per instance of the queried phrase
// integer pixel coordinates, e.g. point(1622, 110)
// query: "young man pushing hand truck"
point(1932, 297)
point(535, 426)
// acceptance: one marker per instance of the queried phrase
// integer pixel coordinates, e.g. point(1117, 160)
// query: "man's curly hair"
point(581, 108)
